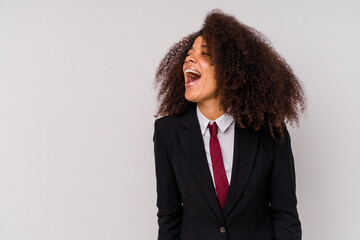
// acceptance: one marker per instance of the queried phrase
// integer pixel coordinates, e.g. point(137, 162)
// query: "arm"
point(283, 198)
point(168, 197)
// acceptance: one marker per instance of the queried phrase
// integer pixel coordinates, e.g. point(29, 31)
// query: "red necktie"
point(221, 182)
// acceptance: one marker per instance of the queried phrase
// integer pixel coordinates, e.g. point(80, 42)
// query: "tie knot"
point(213, 129)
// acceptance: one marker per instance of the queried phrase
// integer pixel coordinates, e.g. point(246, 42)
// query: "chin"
point(191, 98)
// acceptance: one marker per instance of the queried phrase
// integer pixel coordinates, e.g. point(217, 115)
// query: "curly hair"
point(254, 83)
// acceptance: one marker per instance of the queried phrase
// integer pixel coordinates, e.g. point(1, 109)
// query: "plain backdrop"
point(77, 108)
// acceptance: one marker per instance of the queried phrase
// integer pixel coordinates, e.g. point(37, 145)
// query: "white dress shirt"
point(226, 125)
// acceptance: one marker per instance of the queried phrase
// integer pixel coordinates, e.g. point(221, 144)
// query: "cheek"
point(213, 87)
point(211, 83)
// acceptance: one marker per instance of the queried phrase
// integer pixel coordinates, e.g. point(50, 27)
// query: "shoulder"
point(170, 122)
point(267, 139)
point(167, 127)
point(166, 122)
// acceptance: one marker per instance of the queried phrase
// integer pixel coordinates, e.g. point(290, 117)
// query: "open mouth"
point(192, 77)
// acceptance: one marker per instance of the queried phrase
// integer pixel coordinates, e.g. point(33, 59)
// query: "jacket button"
point(222, 229)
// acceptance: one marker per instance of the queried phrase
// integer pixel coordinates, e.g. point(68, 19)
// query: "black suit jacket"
point(261, 202)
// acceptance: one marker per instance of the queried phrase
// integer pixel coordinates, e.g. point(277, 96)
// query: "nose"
point(190, 58)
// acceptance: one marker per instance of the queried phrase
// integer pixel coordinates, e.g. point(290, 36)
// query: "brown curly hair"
point(254, 82)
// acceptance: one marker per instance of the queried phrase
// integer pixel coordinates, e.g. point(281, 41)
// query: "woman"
point(223, 158)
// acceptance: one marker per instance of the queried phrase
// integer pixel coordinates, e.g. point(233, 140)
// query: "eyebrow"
point(202, 46)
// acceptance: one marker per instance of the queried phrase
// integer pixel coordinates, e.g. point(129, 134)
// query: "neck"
point(211, 110)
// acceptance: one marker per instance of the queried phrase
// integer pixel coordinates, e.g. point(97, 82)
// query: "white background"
point(77, 106)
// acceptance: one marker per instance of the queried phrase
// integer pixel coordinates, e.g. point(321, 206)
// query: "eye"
point(204, 53)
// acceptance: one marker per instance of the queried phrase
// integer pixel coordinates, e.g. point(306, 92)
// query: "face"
point(200, 82)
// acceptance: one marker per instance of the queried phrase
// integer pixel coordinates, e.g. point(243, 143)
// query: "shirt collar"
point(223, 122)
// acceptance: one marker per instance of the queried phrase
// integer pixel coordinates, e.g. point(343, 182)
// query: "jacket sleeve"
point(283, 197)
point(168, 197)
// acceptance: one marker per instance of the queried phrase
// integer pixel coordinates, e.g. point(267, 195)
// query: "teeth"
point(192, 71)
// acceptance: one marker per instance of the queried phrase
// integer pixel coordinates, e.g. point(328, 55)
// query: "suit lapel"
point(245, 147)
point(193, 145)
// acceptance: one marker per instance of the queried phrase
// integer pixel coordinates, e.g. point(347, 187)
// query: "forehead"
point(199, 43)
point(200, 40)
